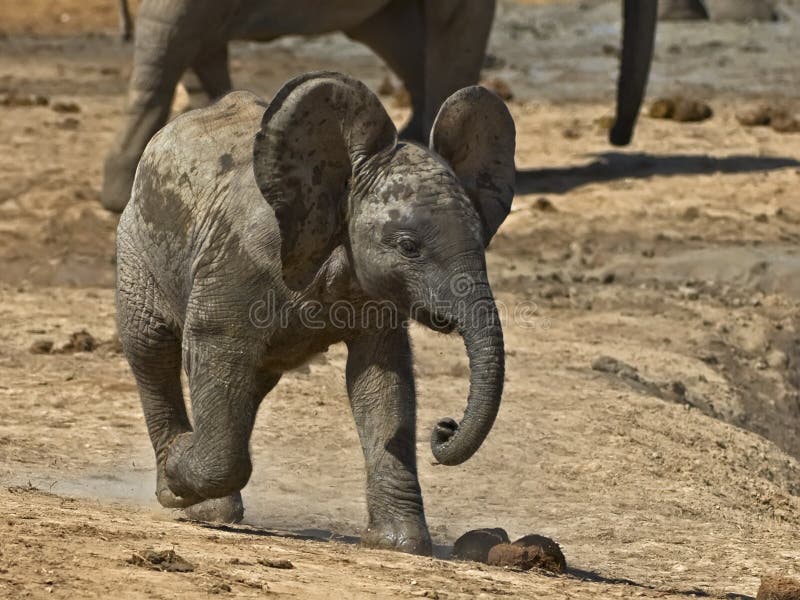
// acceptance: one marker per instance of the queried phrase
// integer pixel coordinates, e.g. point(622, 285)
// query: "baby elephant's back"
point(204, 149)
point(194, 181)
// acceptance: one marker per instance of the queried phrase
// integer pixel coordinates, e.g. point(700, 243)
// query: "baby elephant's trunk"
point(479, 325)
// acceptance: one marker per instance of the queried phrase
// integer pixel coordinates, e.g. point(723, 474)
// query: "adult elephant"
point(435, 47)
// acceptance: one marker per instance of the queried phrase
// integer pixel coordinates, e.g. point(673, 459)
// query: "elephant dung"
point(162, 560)
point(780, 119)
point(755, 116)
point(475, 545)
point(531, 551)
point(683, 110)
point(785, 123)
point(776, 587)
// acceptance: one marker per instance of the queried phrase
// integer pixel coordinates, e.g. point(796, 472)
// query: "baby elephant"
point(260, 234)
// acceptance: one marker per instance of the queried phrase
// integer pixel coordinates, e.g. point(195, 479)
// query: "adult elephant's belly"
point(267, 20)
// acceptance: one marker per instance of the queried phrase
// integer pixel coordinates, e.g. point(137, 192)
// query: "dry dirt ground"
point(651, 414)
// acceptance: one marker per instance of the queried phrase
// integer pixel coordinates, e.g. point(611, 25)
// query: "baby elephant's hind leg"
point(226, 388)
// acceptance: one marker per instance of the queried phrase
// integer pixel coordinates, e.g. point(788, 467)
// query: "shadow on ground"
point(445, 552)
point(611, 166)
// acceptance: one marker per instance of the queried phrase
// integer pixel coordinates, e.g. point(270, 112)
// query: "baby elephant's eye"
point(408, 246)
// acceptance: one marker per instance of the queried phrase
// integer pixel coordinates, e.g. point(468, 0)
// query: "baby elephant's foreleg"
point(226, 388)
point(380, 382)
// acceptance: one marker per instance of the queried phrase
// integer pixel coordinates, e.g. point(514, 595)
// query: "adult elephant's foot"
point(118, 173)
point(229, 509)
point(411, 537)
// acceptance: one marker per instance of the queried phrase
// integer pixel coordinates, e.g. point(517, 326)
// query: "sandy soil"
point(651, 415)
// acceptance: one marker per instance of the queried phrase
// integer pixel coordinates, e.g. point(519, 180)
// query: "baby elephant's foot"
point(168, 499)
point(192, 471)
point(229, 509)
point(411, 537)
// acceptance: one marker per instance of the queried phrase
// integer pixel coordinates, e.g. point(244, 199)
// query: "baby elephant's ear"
point(319, 129)
point(475, 133)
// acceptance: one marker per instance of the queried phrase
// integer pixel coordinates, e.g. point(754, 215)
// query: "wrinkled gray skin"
point(717, 10)
point(435, 48)
point(244, 215)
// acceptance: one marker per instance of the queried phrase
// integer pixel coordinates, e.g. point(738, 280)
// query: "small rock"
point(41, 347)
point(776, 587)
point(64, 106)
point(543, 204)
point(276, 563)
point(475, 545)
point(499, 87)
point(219, 588)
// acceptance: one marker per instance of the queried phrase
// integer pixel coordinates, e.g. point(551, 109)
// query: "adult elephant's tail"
point(639, 32)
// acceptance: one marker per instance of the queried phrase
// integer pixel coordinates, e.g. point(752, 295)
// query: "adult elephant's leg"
point(457, 32)
point(380, 383)
point(125, 23)
point(639, 32)
point(226, 387)
point(397, 35)
point(211, 68)
point(169, 36)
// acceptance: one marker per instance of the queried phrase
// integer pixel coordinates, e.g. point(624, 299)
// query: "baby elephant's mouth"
point(439, 322)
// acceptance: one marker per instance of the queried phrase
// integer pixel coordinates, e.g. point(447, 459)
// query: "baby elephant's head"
point(415, 220)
